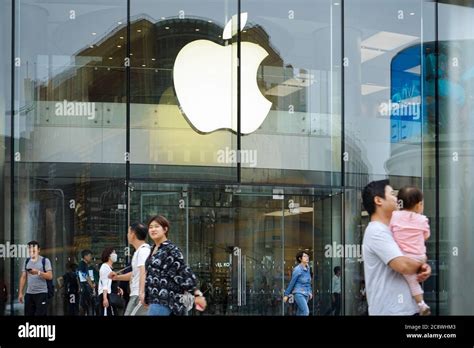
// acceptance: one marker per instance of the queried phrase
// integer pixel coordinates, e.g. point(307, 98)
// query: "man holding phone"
point(35, 272)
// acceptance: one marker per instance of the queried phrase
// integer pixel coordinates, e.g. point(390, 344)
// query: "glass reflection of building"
point(239, 225)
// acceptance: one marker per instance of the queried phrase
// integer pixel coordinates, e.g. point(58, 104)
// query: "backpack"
point(49, 283)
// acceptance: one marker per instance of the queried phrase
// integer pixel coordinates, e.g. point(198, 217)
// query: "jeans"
point(156, 309)
point(302, 304)
point(134, 307)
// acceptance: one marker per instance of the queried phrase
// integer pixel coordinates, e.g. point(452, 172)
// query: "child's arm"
point(426, 229)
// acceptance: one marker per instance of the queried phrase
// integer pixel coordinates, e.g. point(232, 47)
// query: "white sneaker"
point(424, 308)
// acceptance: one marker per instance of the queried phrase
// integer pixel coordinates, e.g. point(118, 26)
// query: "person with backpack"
point(38, 274)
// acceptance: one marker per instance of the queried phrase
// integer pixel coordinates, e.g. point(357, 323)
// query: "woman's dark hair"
point(140, 230)
point(372, 190)
point(162, 221)
point(337, 269)
point(299, 255)
point(106, 254)
point(409, 197)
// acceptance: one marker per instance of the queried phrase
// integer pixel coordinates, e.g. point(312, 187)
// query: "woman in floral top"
point(170, 283)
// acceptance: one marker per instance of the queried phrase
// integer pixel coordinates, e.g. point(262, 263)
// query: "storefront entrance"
point(241, 241)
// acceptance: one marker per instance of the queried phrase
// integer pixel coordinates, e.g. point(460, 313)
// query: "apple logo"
point(205, 81)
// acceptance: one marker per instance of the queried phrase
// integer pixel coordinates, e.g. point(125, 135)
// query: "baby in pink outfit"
point(410, 230)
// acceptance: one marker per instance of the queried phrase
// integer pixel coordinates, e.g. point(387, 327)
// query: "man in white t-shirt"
point(388, 292)
point(136, 236)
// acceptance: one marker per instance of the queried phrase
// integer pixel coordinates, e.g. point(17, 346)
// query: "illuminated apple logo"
point(205, 81)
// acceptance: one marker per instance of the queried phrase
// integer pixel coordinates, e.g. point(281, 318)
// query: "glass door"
point(241, 242)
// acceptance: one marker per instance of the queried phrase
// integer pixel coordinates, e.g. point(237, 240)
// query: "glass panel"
point(298, 140)
point(383, 113)
point(69, 157)
point(183, 90)
point(5, 161)
point(456, 165)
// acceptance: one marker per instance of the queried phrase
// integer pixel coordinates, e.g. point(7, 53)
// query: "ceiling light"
point(387, 41)
point(367, 89)
point(368, 54)
point(415, 70)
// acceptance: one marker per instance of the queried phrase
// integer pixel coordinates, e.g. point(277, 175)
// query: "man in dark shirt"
point(86, 280)
point(71, 290)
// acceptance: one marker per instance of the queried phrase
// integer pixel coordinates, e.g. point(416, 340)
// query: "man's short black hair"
point(140, 230)
point(33, 243)
point(372, 190)
point(337, 269)
point(85, 252)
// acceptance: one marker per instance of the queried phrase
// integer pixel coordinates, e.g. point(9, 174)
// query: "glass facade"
point(253, 134)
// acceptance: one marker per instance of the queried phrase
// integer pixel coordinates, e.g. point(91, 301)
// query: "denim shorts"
point(156, 309)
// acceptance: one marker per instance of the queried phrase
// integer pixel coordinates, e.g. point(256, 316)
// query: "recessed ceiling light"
point(91, 46)
point(387, 41)
point(139, 30)
point(110, 58)
point(336, 4)
point(163, 18)
point(412, 13)
point(210, 21)
point(119, 23)
point(371, 88)
point(94, 34)
point(167, 28)
point(131, 54)
point(121, 37)
point(118, 46)
point(153, 59)
point(196, 29)
point(143, 65)
point(368, 54)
